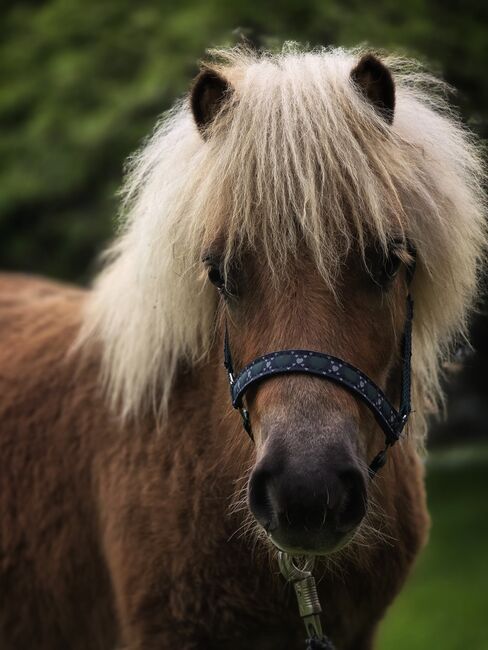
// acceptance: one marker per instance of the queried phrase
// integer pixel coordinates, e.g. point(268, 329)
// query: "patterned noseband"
point(391, 420)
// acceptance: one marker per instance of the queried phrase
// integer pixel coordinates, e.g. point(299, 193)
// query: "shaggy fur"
point(123, 523)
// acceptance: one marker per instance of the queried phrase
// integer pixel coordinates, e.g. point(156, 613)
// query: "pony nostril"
point(352, 506)
point(260, 502)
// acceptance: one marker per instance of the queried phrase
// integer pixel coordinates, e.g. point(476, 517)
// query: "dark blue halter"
point(391, 420)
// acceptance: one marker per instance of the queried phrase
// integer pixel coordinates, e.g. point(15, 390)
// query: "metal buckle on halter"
point(246, 421)
point(379, 461)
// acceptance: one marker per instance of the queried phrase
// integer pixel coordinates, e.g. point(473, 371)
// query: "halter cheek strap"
point(391, 420)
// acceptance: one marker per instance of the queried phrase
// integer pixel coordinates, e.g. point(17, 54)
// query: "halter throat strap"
point(325, 366)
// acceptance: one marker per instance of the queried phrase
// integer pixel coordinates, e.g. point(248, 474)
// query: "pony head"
point(298, 184)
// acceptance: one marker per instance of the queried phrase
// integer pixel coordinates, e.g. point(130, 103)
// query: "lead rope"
point(308, 601)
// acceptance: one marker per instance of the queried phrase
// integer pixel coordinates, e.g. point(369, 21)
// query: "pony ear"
point(375, 82)
point(208, 96)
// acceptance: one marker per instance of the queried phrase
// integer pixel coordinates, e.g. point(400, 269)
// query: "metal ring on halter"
point(289, 569)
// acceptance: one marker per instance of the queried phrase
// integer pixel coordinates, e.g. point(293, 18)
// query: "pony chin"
point(322, 546)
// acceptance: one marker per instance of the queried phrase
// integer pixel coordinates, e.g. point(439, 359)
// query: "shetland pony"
point(298, 183)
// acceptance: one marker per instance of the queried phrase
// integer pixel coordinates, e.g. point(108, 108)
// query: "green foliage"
point(82, 83)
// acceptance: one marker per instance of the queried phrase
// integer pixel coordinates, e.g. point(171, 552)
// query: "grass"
point(445, 603)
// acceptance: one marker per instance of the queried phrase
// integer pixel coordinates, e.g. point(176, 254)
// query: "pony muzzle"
point(312, 504)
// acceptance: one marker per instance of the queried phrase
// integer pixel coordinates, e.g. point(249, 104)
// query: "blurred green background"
point(82, 84)
point(445, 603)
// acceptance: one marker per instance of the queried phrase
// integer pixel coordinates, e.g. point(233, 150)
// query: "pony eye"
point(214, 273)
point(383, 267)
point(225, 282)
point(390, 268)
point(215, 277)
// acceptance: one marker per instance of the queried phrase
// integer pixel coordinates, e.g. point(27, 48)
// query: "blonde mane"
point(297, 143)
